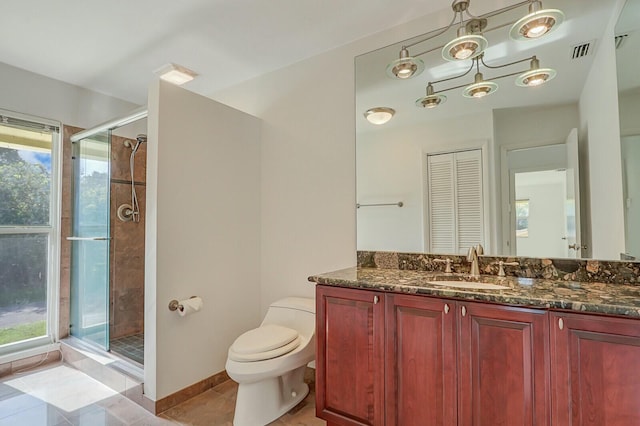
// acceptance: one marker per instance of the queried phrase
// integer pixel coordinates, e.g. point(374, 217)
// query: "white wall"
point(599, 133)
point(308, 178)
point(390, 169)
point(630, 130)
point(308, 161)
point(29, 93)
point(546, 195)
point(631, 164)
point(629, 105)
point(526, 127)
point(203, 235)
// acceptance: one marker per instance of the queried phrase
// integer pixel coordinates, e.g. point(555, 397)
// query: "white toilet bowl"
point(269, 362)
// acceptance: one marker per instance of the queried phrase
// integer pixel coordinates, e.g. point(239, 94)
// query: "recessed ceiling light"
point(175, 74)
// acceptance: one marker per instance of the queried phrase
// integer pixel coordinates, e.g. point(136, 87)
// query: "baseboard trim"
point(157, 407)
point(26, 360)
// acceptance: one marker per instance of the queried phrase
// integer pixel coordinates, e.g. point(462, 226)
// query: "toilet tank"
point(298, 313)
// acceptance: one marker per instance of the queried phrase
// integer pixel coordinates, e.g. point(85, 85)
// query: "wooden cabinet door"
point(503, 366)
point(350, 356)
point(596, 370)
point(420, 384)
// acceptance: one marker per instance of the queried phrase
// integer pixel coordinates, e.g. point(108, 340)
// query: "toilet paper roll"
point(190, 306)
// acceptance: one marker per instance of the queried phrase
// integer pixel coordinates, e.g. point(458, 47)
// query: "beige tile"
point(133, 391)
point(82, 400)
point(113, 379)
point(41, 415)
point(5, 369)
point(123, 409)
point(33, 361)
point(155, 421)
point(208, 408)
point(227, 388)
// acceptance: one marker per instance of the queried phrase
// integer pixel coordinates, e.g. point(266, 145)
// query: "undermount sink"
point(469, 284)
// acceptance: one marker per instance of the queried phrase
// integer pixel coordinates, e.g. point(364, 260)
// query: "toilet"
point(269, 362)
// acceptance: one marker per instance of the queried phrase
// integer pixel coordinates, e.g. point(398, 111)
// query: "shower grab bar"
point(88, 238)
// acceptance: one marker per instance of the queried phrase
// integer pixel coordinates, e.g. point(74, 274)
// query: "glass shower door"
point(90, 240)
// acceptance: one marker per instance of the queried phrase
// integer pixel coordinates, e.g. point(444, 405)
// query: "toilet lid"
point(268, 341)
point(261, 356)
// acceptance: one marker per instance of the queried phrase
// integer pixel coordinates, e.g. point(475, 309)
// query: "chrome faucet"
point(472, 257)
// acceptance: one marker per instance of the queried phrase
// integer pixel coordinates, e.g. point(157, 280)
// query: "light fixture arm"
point(465, 85)
point(449, 89)
point(505, 9)
point(457, 76)
point(455, 15)
point(531, 58)
point(476, 64)
point(439, 33)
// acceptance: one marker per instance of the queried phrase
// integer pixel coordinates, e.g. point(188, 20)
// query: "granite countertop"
point(592, 297)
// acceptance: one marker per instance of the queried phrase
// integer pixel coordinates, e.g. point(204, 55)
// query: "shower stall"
point(107, 242)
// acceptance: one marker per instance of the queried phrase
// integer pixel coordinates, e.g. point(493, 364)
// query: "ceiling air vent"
point(620, 39)
point(583, 49)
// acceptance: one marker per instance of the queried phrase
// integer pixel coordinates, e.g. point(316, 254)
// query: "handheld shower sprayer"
point(131, 212)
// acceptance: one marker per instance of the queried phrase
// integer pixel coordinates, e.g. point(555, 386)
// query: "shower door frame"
point(90, 251)
point(80, 288)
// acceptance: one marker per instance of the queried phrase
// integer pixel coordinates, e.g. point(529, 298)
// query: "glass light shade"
point(535, 77)
point(431, 101)
point(379, 115)
point(464, 47)
point(536, 24)
point(480, 90)
point(405, 68)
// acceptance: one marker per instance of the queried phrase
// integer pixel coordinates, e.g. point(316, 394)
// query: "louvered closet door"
point(456, 219)
point(440, 186)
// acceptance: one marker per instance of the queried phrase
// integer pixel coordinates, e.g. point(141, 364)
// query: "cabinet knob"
point(376, 299)
point(446, 308)
point(464, 311)
point(560, 323)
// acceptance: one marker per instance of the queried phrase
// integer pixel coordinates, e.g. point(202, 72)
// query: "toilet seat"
point(265, 342)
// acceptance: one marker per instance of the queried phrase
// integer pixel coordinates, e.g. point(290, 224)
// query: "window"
point(522, 218)
point(455, 195)
point(28, 230)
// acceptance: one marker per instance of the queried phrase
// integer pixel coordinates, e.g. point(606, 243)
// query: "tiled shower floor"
point(131, 347)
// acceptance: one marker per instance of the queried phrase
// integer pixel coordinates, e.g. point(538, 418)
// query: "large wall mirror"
point(550, 170)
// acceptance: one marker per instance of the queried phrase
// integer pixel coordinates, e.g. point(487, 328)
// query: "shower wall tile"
point(127, 263)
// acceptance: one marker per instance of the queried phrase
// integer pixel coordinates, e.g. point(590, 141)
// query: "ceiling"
point(113, 47)
point(586, 21)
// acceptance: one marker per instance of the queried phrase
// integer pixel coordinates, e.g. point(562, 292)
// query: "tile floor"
point(131, 347)
point(60, 395)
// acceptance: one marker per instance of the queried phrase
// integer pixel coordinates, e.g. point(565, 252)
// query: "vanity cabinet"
point(437, 362)
point(420, 387)
point(503, 365)
point(350, 356)
point(596, 370)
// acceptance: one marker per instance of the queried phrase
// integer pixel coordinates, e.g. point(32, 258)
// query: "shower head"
point(141, 138)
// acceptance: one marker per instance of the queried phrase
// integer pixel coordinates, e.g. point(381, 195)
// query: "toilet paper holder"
point(174, 305)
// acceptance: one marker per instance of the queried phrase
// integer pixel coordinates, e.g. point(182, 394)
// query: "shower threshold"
point(120, 374)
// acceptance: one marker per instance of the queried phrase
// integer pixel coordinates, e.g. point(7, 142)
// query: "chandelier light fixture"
point(470, 44)
point(480, 87)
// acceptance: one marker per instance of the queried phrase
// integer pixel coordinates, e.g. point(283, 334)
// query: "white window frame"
point(17, 350)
